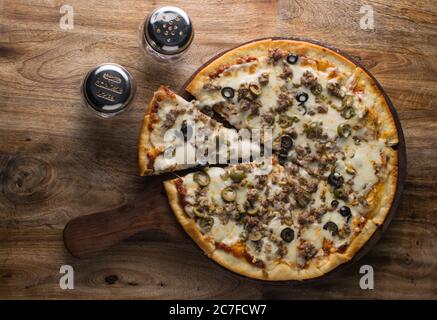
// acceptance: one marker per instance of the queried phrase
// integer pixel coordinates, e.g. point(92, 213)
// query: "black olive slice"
point(332, 227)
point(335, 179)
point(292, 58)
point(302, 97)
point(345, 211)
point(287, 234)
point(286, 142)
point(227, 92)
point(282, 158)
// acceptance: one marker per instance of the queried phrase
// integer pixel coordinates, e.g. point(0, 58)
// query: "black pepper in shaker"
point(108, 89)
point(166, 34)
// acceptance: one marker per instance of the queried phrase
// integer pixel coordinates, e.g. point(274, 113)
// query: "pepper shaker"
point(166, 34)
point(108, 89)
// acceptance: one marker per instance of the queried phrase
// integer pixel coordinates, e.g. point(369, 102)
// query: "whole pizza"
point(321, 176)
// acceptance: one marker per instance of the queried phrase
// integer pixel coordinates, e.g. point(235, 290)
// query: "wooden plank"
point(57, 161)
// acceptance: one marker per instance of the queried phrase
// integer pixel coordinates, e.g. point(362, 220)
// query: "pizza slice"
point(175, 135)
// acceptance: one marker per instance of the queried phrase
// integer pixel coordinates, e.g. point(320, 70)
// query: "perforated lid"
point(108, 88)
point(168, 30)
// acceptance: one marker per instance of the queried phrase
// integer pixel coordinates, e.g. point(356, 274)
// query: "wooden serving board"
point(58, 161)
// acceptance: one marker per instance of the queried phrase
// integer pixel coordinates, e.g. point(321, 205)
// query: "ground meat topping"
point(275, 55)
point(245, 105)
point(282, 250)
point(284, 102)
point(287, 73)
point(308, 79)
point(306, 217)
point(170, 118)
point(322, 109)
point(254, 108)
point(252, 195)
point(334, 89)
point(307, 250)
point(263, 79)
point(268, 118)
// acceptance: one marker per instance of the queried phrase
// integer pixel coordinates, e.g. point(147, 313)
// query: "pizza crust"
point(258, 49)
point(187, 223)
point(144, 145)
point(386, 123)
point(143, 149)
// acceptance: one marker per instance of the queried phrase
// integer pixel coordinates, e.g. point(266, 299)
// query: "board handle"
point(88, 235)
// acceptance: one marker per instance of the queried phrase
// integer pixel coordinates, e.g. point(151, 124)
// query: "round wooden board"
point(402, 163)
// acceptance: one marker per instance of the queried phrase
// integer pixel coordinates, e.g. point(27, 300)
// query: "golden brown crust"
point(258, 49)
point(187, 223)
point(388, 192)
point(386, 123)
point(144, 147)
point(385, 194)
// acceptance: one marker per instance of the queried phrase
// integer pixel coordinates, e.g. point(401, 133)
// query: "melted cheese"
point(228, 233)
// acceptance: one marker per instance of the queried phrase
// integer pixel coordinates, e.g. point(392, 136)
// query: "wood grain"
point(58, 161)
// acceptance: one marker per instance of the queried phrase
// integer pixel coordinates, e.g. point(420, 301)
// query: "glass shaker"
point(108, 89)
point(166, 34)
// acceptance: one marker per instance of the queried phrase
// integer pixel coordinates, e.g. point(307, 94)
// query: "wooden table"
point(58, 161)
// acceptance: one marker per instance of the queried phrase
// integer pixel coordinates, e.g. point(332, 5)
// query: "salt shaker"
point(166, 34)
point(108, 89)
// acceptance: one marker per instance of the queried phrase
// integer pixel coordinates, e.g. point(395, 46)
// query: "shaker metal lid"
point(108, 88)
point(168, 30)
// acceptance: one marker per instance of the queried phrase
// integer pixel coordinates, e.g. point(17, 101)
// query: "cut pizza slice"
point(175, 135)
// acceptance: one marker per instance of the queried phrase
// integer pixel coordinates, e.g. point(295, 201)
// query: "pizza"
point(308, 206)
point(174, 131)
